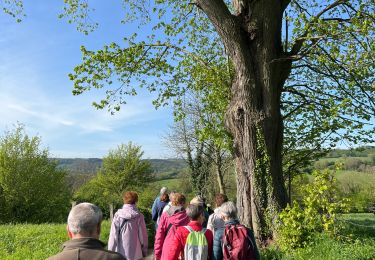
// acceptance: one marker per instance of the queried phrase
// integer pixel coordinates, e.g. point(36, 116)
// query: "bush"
point(352, 163)
point(32, 187)
point(316, 213)
point(321, 165)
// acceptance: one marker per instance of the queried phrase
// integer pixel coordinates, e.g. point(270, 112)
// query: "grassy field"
point(172, 184)
point(40, 241)
point(25, 241)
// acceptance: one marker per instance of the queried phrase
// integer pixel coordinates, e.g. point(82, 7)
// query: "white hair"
point(229, 210)
point(84, 218)
point(163, 190)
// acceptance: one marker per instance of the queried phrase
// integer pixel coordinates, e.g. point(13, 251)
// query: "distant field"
point(172, 184)
point(360, 178)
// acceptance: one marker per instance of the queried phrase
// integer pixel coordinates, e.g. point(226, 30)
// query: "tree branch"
point(300, 41)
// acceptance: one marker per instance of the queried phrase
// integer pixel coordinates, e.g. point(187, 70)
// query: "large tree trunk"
point(252, 39)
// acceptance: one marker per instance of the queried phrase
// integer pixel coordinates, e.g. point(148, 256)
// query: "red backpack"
point(237, 244)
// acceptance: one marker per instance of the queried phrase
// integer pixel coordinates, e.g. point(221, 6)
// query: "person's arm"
point(142, 232)
point(256, 251)
point(154, 210)
point(218, 247)
point(210, 222)
point(210, 239)
point(177, 246)
point(113, 236)
point(160, 237)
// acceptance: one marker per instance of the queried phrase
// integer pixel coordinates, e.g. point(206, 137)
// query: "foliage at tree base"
point(316, 213)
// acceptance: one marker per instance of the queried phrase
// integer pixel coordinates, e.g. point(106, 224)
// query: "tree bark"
point(252, 39)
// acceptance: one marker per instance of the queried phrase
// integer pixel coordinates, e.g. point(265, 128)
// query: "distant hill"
point(80, 165)
point(166, 167)
point(362, 151)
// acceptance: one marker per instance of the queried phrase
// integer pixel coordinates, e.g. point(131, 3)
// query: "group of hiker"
point(183, 231)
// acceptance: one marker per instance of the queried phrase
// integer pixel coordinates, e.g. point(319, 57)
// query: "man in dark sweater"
point(84, 225)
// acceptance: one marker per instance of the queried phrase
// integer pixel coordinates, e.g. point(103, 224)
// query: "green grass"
point(357, 241)
point(360, 178)
point(27, 241)
point(172, 184)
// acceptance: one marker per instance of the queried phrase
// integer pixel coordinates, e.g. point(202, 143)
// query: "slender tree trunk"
point(111, 211)
point(219, 172)
point(252, 39)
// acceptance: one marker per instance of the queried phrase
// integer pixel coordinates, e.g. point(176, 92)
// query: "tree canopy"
point(123, 169)
point(32, 188)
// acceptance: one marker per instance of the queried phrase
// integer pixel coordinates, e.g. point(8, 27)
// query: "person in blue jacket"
point(156, 205)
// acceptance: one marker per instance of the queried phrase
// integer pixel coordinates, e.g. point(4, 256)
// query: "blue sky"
point(35, 59)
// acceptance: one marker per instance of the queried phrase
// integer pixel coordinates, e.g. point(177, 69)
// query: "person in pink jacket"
point(128, 235)
point(174, 217)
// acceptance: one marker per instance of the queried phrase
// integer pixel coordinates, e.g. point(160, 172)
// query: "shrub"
point(352, 163)
point(317, 212)
point(32, 187)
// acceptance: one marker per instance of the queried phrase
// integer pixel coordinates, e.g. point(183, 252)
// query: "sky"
point(36, 57)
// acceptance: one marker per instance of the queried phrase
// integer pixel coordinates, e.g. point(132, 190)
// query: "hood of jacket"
point(178, 218)
point(128, 211)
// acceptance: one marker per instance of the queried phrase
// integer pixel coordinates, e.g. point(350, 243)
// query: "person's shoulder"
point(164, 217)
point(66, 254)
point(209, 233)
point(182, 229)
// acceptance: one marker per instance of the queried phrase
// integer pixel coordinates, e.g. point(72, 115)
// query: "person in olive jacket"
point(84, 225)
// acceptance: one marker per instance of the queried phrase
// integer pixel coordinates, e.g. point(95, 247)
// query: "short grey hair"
point(229, 210)
point(163, 190)
point(84, 218)
point(193, 211)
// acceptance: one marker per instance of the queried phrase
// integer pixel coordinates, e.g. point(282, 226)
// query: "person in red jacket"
point(196, 216)
point(170, 220)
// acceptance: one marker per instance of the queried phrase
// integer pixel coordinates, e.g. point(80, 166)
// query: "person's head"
point(220, 199)
point(130, 197)
point(163, 190)
point(197, 200)
point(178, 199)
point(171, 194)
point(84, 220)
point(164, 197)
point(195, 213)
point(228, 211)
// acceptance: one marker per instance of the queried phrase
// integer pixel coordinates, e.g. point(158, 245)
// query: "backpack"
point(196, 246)
point(237, 244)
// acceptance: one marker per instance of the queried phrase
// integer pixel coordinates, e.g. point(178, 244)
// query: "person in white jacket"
point(215, 220)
